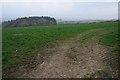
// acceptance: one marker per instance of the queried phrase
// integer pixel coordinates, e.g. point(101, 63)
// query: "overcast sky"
point(61, 10)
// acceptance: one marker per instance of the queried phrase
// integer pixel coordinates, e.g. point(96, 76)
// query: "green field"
point(26, 41)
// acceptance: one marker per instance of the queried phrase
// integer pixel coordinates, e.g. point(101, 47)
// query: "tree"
point(30, 21)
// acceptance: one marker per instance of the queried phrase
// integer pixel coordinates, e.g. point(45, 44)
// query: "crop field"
point(21, 45)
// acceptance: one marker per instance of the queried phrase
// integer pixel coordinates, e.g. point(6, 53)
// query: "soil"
point(73, 59)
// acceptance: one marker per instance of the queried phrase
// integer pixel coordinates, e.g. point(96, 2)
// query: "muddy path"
point(79, 57)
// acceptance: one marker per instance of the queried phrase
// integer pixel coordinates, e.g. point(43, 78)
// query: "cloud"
point(61, 10)
point(60, 0)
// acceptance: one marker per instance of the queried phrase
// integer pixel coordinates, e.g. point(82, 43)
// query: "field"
point(22, 45)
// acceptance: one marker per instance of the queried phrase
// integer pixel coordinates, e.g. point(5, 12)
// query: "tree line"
point(30, 21)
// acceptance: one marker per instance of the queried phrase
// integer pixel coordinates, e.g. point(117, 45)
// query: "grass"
point(86, 38)
point(111, 40)
point(26, 41)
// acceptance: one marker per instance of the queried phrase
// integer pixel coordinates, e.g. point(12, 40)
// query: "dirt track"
point(73, 59)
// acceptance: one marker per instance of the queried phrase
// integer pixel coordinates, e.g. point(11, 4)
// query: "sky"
point(65, 10)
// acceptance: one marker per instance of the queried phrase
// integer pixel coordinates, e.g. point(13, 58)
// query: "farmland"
point(22, 45)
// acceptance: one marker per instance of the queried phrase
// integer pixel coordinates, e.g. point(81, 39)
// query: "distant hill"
point(59, 21)
point(30, 21)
